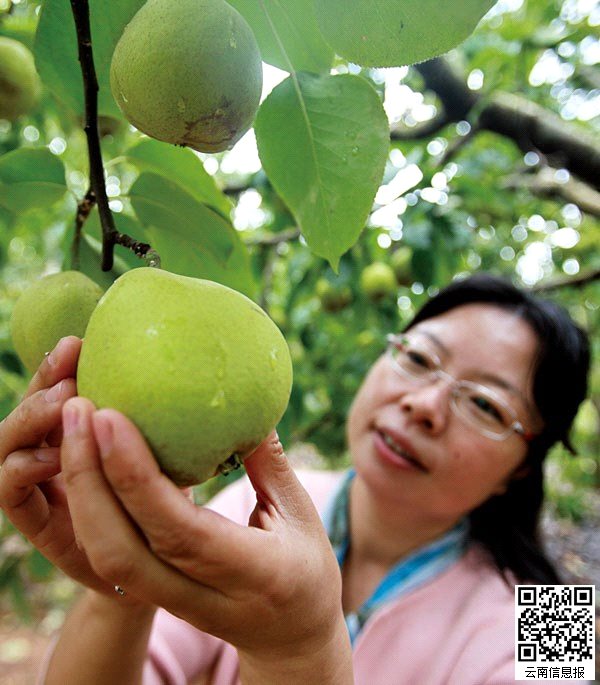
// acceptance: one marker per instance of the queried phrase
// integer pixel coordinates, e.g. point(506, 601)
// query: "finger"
point(116, 550)
point(41, 515)
point(34, 418)
point(21, 500)
point(188, 537)
point(60, 363)
point(277, 486)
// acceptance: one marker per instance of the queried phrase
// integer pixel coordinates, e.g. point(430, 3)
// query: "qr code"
point(554, 632)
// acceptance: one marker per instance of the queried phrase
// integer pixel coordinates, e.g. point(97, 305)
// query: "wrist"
point(119, 606)
point(329, 662)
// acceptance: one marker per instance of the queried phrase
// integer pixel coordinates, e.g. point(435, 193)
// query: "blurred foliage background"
point(485, 172)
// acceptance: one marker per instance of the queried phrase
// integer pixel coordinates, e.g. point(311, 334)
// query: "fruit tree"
point(334, 162)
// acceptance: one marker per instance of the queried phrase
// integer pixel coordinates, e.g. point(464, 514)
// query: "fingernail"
point(70, 419)
point(53, 356)
point(104, 434)
point(47, 455)
point(54, 393)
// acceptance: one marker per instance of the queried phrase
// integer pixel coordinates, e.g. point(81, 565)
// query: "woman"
point(409, 581)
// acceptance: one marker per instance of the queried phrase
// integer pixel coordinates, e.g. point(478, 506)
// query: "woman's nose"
point(427, 405)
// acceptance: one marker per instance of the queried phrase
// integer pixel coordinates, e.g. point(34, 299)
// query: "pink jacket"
point(457, 629)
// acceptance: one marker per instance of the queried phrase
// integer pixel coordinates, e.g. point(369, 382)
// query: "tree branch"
point(440, 77)
point(575, 282)
point(110, 235)
point(81, 15)
point(456, 145)
point(425, 130)
point(545, 184)
point(533, 128)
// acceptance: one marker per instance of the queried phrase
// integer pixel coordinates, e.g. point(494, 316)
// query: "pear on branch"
point(19, 82)
point(189, 73)
point(200, 369)
point(50, 309)
point(377, 280)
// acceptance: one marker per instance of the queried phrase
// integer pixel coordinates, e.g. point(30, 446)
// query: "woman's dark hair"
point(508, 524)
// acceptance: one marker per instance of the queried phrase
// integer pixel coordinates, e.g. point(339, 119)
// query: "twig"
point(456, 145)
point(237, 189)
point(425, 130)
point(576, 282)
point(546, 185)
point(110, 235)
point(276, 238)
point(81, 14)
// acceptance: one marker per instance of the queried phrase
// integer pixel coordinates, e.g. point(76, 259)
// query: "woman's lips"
point(388, 448)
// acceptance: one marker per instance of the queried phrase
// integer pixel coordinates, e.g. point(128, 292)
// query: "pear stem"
point(230, 464)
point(97, 192)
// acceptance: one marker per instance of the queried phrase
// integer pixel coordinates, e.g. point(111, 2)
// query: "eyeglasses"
point(480, 406)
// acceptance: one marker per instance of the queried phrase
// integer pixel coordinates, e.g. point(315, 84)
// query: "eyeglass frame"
point(438, 373)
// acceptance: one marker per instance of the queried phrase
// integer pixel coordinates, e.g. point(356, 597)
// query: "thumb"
point(274, 480)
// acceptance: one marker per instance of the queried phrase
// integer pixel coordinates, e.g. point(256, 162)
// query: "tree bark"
point(533, 128)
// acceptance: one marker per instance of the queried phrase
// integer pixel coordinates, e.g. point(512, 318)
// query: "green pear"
point(189, 73)
point(378, 280)
point(19, 82)
point(48, 310)
point(333, 297)
point(401, 262)
point(366, 339)
point(200, 369)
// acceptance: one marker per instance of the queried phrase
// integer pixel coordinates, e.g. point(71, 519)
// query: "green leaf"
point(39, 567)
point(184, 256)
point(164, 204)
point(6, 217)
point(191, 238)
point(30, 178)
point(389, 33)
point(287, 33)
point(185, 167)
point(9, 565)
point(56, 53)
point(323, 142)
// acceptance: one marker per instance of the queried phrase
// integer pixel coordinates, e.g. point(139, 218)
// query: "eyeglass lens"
point(474, 402)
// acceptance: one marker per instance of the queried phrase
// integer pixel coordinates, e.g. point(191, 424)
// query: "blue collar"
point(414, 570)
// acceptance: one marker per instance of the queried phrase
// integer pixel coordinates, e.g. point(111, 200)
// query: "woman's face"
point(458, 467)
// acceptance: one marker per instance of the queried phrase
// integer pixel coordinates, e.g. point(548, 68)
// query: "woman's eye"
point(419, 359)
point(484, 405)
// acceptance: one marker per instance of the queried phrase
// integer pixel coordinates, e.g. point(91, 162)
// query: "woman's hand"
point(32, 492)
point(271, 589)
